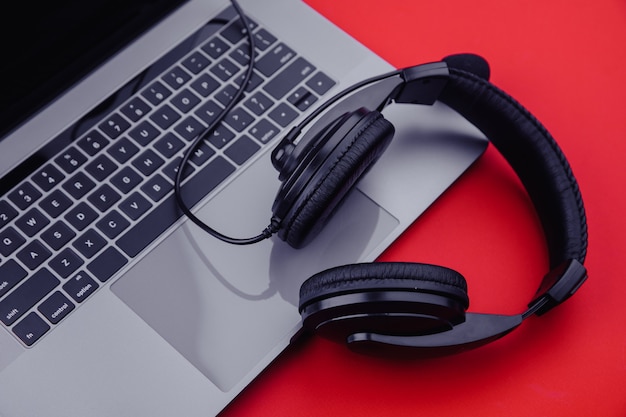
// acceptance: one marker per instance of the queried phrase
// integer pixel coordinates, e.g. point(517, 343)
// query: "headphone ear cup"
point(351, 158)
point(384, 276)
point(389, 298)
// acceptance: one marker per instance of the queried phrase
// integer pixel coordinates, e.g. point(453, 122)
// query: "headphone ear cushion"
point(384, 276)
point(361, 149)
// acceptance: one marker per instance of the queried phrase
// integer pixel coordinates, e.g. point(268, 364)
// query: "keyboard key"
point(56, 307)
point(302, 98)
point(263, 39)
point(101, 167)
point(104, 197)
point(93, 142)
point(215, 47)
point(196, 62)
point(176, 77)
point(81, 216)
point(112, 224)
point(189, 128)
point(89, 243)
point(135, 205)
point(7, 213)
point(320, 83)
point(33, 254)
point(70, 160)
point(264, 131)
point(48, 177)
point(226, 94)
point(144, 133)
point(241, 55)
point(239, 119)
point(166, 213)
point(169, 145)
point(126, 180)
point(56, 203)
point(79, 185)
point(80, 286)
point(24, 297)
point(156, 93)
point(225, 69)
point(157, 187)
point(114, 125)
point(10, 274)
point(10, 240)
point(148, 162)
point(25, 195)
point(205, 85)
point(242, 150)
point(58, 235)
point(32, 222)
point(201, 154)
point(274, 59)
point(65, 263)
point(107, 264)
point(208, 112)
point(253, 82)
point(135, 109)
point(164, 116)
point(185, 101)
point(171, 169)
point(31, 329)
point(259, 103)
point(291, 76)
point(235, 31)
point(283, 114)
point(123, 150)
point(220, 136)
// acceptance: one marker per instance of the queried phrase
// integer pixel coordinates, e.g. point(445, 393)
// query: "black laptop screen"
point(47, 46)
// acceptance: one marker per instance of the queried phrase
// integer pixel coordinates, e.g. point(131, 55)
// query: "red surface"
point(564, 60)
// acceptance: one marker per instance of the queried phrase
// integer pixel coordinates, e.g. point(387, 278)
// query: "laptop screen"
point(48, 46)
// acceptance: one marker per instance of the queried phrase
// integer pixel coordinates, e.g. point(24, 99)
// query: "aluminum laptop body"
point(184, 322)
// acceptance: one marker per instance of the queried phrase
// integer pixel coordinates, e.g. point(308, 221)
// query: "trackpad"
point(224, 307)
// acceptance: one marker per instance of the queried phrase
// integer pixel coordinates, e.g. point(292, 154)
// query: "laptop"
point(111, 302)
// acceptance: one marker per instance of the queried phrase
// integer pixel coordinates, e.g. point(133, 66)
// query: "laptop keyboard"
point(93, 199)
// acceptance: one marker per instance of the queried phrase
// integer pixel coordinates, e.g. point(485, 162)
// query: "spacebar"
point(167, 212)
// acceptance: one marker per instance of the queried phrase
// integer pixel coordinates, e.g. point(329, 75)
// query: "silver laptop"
point(111, 303)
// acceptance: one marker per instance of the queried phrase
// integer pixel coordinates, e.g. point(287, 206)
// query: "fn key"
point(31, 328)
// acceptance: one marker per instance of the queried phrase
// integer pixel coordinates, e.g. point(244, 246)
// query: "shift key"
point(26, 296)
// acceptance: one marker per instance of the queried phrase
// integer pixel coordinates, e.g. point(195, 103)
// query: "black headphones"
point(409, 308)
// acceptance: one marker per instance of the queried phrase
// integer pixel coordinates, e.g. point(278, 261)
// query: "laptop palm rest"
point(225, 307)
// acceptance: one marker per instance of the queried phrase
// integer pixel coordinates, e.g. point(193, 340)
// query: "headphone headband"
point(533, 154)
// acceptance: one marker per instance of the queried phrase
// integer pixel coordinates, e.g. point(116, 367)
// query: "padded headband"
point(530, 150)
point(460, 81)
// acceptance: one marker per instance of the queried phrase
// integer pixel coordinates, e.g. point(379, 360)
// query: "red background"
point(564, 60)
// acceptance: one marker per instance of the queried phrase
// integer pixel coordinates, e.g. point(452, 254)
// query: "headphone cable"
point(274, 225)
